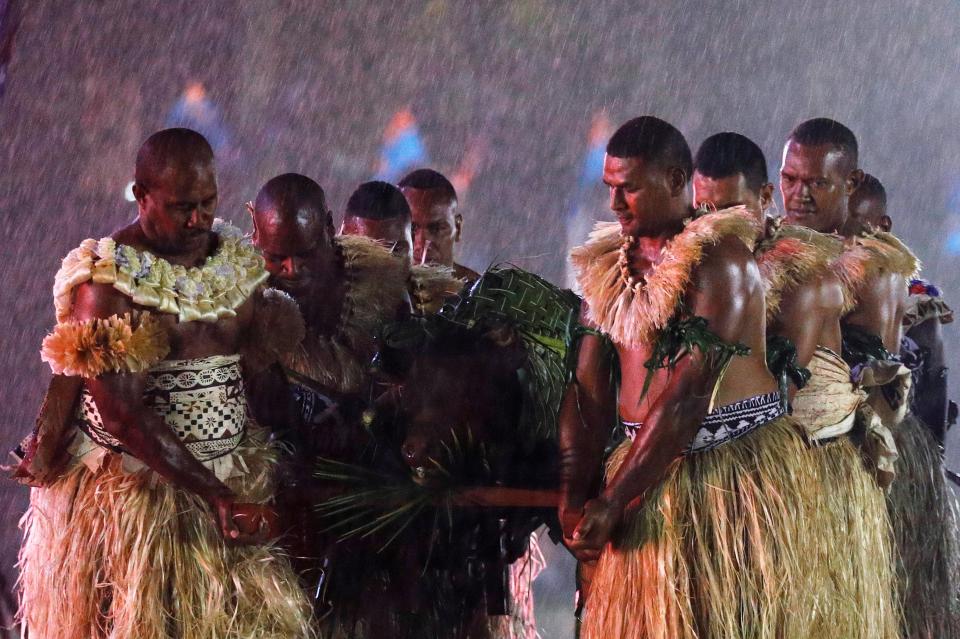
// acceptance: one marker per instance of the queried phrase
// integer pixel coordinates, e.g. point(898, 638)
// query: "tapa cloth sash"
point(202, 400)
point(727, 423)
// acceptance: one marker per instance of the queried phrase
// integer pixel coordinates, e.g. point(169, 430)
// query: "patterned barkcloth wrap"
point(111, 549)
point(202, 400)
point(856, 586)
point(698, 558)
point(727, 423)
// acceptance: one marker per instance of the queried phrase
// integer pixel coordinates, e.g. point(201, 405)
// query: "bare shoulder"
point(829, 292)
point(93, 300)
point(728, 263)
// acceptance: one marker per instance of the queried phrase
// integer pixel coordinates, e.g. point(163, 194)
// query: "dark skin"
point(437, 228)
point(175, 217)
point(930, 397)
point(651, 202)
point(817, 182)
point(392, 232)
point(297, 246)
point(810, 313)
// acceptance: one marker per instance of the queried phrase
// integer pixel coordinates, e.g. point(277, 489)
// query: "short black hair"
point(167, 148)
point(820, 131)
point(378, 201)
point(289, 193)
point(725, 154)
point(652, 140)
point(871, 187)
point(429, 180)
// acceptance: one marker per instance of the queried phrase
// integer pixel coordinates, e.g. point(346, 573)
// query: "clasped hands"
point(587, 530)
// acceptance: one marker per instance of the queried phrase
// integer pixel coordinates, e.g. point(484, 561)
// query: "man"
point(347, 288)
point(151, 527)
point(379, 211)
point(926, 312)
point(437, 222)
point(804, 300)
point(682, 303)
point(817, 178)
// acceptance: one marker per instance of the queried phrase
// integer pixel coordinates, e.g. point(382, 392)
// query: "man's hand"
point(242, 524)
point(600, 520)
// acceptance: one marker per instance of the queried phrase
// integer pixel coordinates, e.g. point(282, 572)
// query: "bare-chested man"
point(922, 346)
point(437, 221)
point(145, 530)
point(804, 300)
point(686, 542)
point(818, 176)
point(379, 211)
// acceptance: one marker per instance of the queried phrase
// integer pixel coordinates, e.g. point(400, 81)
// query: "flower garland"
point(128, 343)
point(206, 293)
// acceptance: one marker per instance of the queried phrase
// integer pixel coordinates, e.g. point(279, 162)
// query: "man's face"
point(178, 207)
point(815, 182)
point(865, 211)
point(436, 226)
point(722, 193)
point(640, 193)
point(294, 250)
point(393, 232)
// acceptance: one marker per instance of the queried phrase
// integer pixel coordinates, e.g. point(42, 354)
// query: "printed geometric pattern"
point(204, 404)
point(736, 420)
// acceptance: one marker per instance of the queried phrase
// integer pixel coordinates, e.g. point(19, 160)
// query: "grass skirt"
point(719, 548)
point(110, 554)
point(854, 590)
point(923, 513)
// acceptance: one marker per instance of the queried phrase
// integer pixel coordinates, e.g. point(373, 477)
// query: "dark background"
point(310, 87)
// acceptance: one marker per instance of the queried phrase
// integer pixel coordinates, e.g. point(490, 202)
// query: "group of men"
point(751, 458)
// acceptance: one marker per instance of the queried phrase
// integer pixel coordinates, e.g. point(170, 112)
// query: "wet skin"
point(817, 182)
point(810, 313)
point(651, 203)
point(176, 215)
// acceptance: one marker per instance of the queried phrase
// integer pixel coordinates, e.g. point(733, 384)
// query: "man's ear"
point(854, 180)
point(886, 223)
point(253, 217)
point(766, 196)
point(457, 227)
point(677, 179)
point(139, 192)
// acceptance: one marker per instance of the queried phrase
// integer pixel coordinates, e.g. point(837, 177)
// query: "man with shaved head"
point(804, 301)
point(437, 221)
point(819, 177)
point(148, 519)
point(711, 478)
point(378, 210)
point(347, 287)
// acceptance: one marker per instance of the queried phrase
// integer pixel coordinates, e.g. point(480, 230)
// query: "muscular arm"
point(587, 414)
point(723, 286)
point(141, 431)
point(880, 305)
point(809, 317)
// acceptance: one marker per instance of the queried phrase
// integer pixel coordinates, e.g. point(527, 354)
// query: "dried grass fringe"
point(719, 549)
point(854, 590)
point(116, 555)
point(924, 518)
